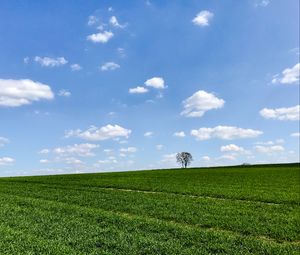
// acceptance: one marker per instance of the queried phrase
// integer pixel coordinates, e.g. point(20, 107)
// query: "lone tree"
point(184, 158)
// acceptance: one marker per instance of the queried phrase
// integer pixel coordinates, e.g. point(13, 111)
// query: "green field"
point(226, 210)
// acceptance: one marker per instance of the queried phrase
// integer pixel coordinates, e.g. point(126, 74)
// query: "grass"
point(230, 210)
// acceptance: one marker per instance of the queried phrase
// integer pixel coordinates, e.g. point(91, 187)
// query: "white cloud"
point(26, 60)
point(14, 93)
point(269, 149)
point(114, 22)
point(231, 147)
point(202, 18)
point(3, 141)
point(206, 158)
point(148, 134)
point(295, 134)
point(72, 161)
point(277, 141)
point(224, 132)
point(262, 3)
point(290, 113)
point(44, 151)
point(50, 62)
point(102, 37)
point(82, 150)
point(6, 161)
point(92, 20)
point(109, 66)
point(179, 134)
point(288, 76)
point(75, 67)
point(155, 82)
point(98, 134)
point(129, 150)
point(159, 147)
point(199, 103)
point(64, 93)
point(44, 161)
point(138, 90)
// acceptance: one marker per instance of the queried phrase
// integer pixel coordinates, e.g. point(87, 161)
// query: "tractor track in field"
point(173, 223)
point(97, 188)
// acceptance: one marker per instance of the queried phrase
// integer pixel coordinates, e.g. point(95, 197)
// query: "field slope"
point(227, 210)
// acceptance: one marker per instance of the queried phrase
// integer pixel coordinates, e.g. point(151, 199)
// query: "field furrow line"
point(96, 188)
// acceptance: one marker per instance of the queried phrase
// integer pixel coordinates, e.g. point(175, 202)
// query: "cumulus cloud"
point(3, 141)
point(6, 161)
point(75, 67)
point(114, 22)
point(203, 18)
point(269, 149)
point(148, 134)
point(224, 132)
point(14, 93)
point(128, 150)
point(288, 75)
point(64, 93)
point(179, 134)
point(289, 113)
point(102, 37)
point(109, 66)
point(231, 148)
point(138, 90)
point(199, 103)
point(50, 62)
point(155, 82)
point(82, 150)
point(98, 134)
point(293, 134)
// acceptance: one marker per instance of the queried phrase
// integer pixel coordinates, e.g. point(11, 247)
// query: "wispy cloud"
point(50, 62)
point(109, 66)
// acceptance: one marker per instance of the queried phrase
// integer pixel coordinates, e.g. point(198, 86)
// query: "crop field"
point(225, 210)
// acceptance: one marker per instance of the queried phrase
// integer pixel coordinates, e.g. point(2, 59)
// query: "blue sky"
point(91, 86)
